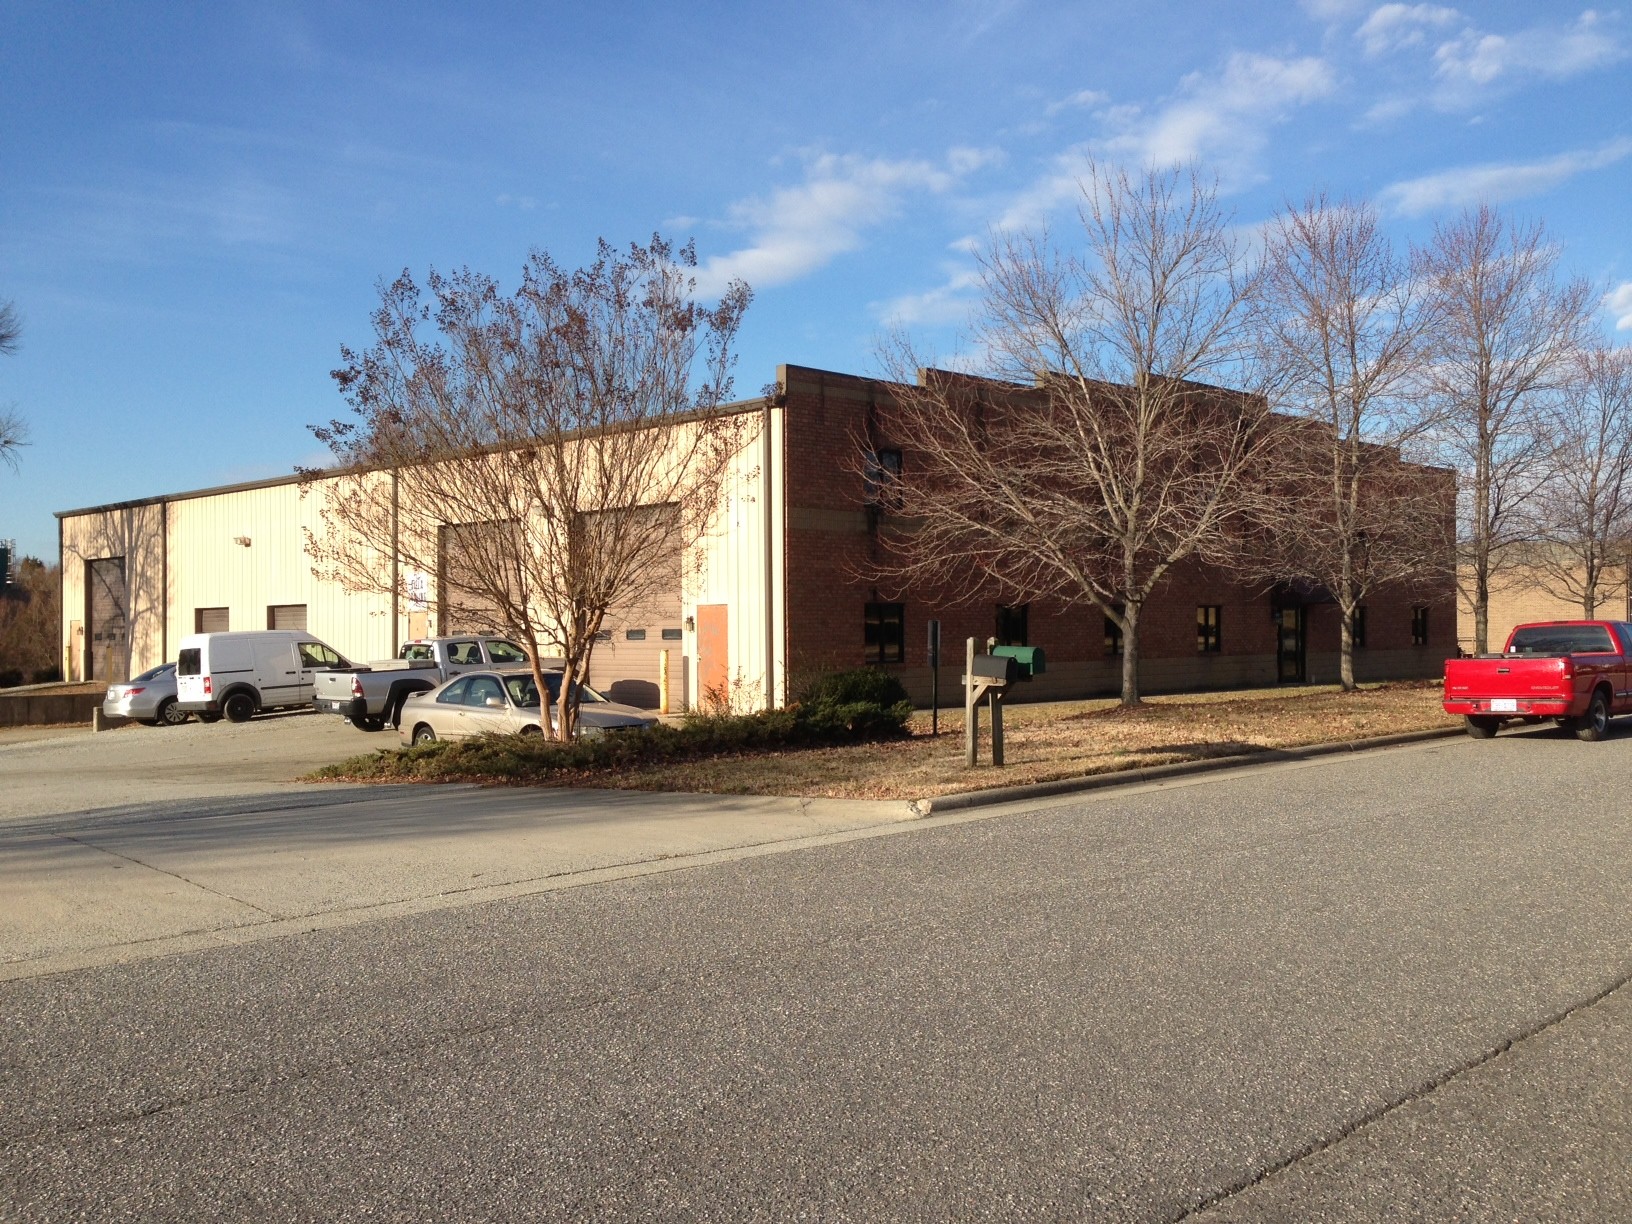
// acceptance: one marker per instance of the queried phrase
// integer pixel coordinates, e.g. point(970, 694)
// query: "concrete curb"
point(1159, 773)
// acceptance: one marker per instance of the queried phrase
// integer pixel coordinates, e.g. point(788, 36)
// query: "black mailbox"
point(1030, 659)
point(995, 669)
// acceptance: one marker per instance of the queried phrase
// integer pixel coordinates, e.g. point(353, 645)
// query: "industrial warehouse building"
point(780, 588)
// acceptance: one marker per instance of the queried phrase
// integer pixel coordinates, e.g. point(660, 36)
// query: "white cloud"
point(525, 203)
point(946, 304)
point(1619, 302)
point(1083, 99)
point(1223, 119)
point(797, 230)
point(1495, 181)
point(1393, 26)
point(1331, 10)
point(1476, 60)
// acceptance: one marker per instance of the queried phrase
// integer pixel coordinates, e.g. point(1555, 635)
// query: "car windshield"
point(1560, 640)
point(525, 693)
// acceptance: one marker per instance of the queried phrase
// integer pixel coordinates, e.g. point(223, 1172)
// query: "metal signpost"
point(934, 678)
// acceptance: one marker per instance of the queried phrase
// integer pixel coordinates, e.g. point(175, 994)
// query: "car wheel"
point(1482, 728)
point(368, 724)
point(169, 715)
point(1595, 725)
point(531, 730)
point(239, 707)
point(424, 735)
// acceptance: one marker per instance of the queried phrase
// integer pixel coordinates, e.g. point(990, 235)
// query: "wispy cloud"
point(797, 230)
point(1619, 303)
point(1223, 118)
point(1493, 182)
point(947, 304)
point(1083, 99)
point(1393, 26)
point(1476, 60)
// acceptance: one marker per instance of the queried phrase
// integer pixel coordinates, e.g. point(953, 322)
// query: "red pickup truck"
point(1579, 672)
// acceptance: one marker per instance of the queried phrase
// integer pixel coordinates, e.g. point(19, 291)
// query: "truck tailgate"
point(1510, 684)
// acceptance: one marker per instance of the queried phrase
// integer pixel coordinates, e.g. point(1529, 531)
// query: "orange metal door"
point(713, 655)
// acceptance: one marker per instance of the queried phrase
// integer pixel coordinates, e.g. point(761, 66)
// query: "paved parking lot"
point(52, 770)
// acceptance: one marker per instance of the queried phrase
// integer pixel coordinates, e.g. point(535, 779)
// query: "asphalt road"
point(1384, 987)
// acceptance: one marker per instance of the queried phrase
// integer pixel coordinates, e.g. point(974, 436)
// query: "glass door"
point(1289, 645)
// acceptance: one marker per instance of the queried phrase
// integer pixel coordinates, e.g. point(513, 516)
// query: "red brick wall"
point(829, 548)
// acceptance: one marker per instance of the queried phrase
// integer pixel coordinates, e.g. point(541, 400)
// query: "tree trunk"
point(1345, 648)
point(1130, 655)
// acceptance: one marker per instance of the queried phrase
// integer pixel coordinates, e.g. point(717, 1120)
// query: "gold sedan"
point(505, 703)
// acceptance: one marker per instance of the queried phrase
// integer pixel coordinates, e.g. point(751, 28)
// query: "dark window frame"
point(1210, 628)
point(881, 469)
point(1113, 635)
point(884, 632)
point(1357, 628)
point(1009, 618)
point(1419, 625)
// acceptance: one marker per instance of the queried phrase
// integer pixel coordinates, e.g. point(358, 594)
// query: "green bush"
point(860, 704)
point(837, 709)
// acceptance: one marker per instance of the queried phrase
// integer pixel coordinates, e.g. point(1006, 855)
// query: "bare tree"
point(550, 455)
point(13, 429)
point(1583, 511)
point(1505, 327)
point(1342, 323)
point(1106, 460)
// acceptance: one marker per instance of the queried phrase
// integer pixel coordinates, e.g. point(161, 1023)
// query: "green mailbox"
point(1028, 659)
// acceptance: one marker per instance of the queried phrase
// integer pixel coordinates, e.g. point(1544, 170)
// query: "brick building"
point(779, 588)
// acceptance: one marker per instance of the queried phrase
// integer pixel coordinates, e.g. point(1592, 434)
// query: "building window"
point(885, 638)
point(1209, 628)
point(1113, 634)
point(880, 471)
point(1357, 628)
point(1012, 623)
point(634, 635)
point(286, 616)
point(1419, 626)
point(671, 635)
point(209, 620)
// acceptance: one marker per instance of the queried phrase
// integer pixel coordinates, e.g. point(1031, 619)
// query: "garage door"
point(107, 623)
point(628, 661)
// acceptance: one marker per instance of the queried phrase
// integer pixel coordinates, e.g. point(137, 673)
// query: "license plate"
point(1504, 705)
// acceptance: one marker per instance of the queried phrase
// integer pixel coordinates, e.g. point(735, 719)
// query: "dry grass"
point(1052, 741)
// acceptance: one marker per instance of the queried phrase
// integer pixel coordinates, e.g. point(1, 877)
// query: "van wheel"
point(239, 707)
point(424, 735)
point(169, 715)
point(1595, 725)
point(1482, 728)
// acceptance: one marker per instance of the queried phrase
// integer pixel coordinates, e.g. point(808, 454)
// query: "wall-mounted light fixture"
point(241, 541)
point(691, 624)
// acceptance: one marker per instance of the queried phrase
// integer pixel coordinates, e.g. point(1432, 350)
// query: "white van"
point(240, 674)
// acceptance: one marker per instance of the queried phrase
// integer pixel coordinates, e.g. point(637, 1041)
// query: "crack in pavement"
point(1420, 1092)
point(215, 892)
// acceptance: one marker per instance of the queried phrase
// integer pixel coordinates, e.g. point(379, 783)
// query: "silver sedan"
point(149, 698)
point(505, 703)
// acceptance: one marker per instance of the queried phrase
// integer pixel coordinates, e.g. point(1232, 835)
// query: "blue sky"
point(196, 201)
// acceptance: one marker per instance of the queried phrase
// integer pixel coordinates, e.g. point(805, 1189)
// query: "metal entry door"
point(713, 655)
point(1289, 645)
point(107, 622)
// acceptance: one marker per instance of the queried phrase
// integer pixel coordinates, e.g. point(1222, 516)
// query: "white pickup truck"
point(370, 697)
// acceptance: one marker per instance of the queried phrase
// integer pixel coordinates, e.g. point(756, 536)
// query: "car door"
point(1623, 670)
point(313, 657)
point(447, 712)
point(486, 710)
